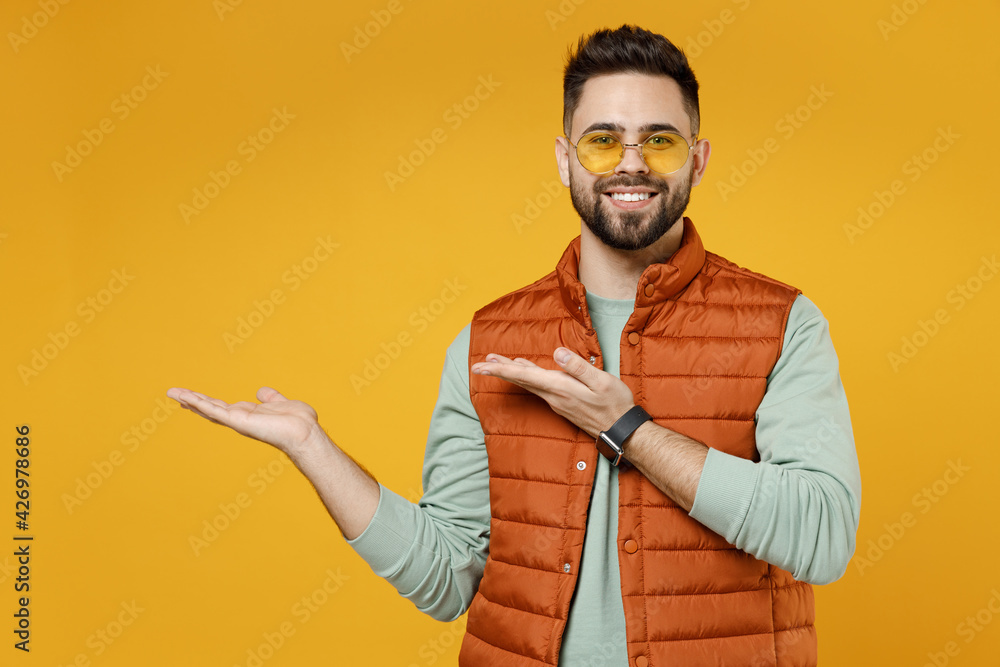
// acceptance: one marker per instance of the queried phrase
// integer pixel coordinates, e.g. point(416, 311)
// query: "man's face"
point(632, 107)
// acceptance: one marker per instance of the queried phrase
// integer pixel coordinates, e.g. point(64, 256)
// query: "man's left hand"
point(587, 396)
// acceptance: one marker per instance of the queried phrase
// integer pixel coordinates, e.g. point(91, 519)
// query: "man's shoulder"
point(721, 270)
point(544, 293)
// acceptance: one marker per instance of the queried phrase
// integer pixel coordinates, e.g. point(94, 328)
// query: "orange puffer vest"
point(696, 352)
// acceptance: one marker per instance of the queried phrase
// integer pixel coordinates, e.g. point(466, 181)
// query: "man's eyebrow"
point(615, 127)
point(610, 127)
point(659, 127)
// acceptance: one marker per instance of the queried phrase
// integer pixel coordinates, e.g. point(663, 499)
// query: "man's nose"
point(632, 162)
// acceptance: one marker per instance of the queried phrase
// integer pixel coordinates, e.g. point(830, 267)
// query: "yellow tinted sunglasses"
point(600, 152)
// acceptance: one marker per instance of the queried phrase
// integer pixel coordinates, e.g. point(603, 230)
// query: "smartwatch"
point(611, 443)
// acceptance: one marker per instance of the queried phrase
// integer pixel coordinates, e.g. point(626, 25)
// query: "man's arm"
point(594, 400)
point(348, 491)
point(798, 508)
point(433, 553)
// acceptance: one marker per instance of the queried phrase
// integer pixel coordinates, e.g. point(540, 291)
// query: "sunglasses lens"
point(665, 153)
point(599, 152)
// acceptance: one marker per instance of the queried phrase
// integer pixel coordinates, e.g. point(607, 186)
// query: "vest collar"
point(658, 283)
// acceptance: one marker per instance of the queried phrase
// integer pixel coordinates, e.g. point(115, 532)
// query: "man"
point(723, 481)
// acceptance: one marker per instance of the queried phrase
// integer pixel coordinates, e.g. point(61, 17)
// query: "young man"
point(643, 458)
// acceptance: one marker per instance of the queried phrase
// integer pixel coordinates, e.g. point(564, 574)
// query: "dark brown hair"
point(628, 49)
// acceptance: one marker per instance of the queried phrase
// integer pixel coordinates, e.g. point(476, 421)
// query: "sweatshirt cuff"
point(724, 493)
point(389, 535)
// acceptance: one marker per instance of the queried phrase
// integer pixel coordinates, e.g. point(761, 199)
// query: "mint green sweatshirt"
point(798, 508)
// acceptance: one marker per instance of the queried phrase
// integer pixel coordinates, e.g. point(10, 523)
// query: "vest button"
point(649, 289)
point(593, 360)
point(641, 661)
point(566, 568)
point(633, 338)
point(581, 465)
point(631, 546)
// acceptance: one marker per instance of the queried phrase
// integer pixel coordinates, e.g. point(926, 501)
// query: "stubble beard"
point(630, 230)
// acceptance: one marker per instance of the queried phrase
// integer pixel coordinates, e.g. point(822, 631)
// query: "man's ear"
point(699, 160)
point(562, 159)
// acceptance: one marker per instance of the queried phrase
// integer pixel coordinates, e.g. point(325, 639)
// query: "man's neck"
point(614, 274)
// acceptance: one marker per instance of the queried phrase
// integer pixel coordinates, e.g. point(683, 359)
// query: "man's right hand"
point(349, 492)
point(288, 425)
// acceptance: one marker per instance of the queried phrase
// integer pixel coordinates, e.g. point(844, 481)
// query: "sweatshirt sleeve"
point(433, 552)
point(799, 507)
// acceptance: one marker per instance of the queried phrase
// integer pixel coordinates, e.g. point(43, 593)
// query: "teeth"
point(634, 196)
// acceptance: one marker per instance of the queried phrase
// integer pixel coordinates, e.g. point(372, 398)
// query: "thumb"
point(269, 395)
point(571, 362)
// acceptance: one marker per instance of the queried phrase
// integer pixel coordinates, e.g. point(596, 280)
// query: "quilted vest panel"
point(696, 352)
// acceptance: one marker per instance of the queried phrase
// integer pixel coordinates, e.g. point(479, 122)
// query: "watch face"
point(608, 449)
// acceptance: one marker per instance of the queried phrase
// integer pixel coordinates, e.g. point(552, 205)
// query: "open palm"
point(276, 420)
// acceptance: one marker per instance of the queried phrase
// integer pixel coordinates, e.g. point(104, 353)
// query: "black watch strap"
point(611, 443)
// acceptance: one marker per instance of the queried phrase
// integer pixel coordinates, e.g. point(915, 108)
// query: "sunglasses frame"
point(621, 153)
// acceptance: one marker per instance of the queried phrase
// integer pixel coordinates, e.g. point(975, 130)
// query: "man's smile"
point(630, 199)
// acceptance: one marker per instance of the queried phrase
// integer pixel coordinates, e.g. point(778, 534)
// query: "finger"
point(574, 364)
point(210, 408)
point(206, 397)
point(180, 394)
point(530, 377)
point(269, 394)
point(214, 401)
point(493, 357)
point(496, 365)
point(186, 397)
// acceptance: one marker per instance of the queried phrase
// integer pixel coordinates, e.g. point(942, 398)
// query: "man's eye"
point(660, 141)
point(602, 141)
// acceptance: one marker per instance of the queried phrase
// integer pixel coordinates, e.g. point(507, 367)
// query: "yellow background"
point(897, 74)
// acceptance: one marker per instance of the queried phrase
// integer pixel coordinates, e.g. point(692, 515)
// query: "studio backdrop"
point(225, 194)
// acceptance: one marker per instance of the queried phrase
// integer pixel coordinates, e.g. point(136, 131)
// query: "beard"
point(630, 230)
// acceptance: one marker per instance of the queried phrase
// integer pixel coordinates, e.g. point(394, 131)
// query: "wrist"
point(611, 442)
point(312, 449)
